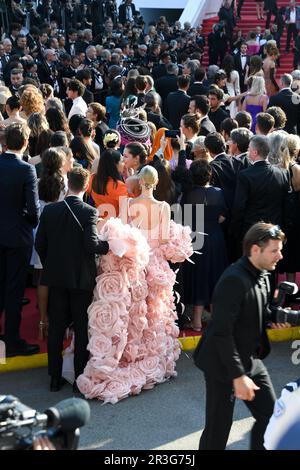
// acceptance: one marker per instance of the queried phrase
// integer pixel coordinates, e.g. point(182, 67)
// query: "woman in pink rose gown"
point(132, 331)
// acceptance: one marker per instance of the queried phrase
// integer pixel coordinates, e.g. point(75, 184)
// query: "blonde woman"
point(285, 150)
point(257, 100)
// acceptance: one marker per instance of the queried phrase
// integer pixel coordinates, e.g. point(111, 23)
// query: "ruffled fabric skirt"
point(132, 331)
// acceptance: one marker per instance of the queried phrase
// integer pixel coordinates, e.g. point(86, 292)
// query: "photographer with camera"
point(23, 428)
point(235, 341)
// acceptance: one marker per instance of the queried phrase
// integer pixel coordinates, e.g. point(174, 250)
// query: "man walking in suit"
point(288, 101)
point(242, 61)
point(67, 242)
point(19, 214)
point(235, 341)
point(127, 11)
point(178, 101)
point(292, 19)
point(261, 191)
point(200, 104)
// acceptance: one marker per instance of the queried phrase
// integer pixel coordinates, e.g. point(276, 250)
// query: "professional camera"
point(19, 424)
point(284, 315)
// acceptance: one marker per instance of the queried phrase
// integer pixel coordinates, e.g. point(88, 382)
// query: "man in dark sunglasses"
point(235, 341)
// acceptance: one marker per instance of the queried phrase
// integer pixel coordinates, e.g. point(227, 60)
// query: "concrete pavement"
point(169, 417)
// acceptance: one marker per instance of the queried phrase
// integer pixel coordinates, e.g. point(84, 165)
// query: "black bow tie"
point(243, 55)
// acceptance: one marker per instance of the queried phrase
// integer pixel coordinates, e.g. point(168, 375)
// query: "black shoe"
point(25, 301)
point(23, 349)
point(56, 383)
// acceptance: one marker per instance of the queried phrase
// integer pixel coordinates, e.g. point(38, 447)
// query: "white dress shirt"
point(293, 16)
point(79, 107)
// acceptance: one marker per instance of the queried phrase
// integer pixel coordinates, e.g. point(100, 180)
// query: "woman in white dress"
point(232, 83)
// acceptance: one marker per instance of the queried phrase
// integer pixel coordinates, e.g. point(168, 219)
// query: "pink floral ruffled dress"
point(132, 332)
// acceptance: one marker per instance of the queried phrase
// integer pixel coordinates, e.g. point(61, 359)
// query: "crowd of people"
point(98, 108)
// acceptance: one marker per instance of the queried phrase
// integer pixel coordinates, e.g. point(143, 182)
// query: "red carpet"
point(248, 23)
point(30, 320)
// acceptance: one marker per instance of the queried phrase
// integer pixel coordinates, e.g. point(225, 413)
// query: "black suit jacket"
point(241, 71)
point(236, 333)
point(122, 12)
point(261, 194)
point(241, 162)
point(177, 106)
point(164, 86)
point(67, 252)
point(288, 101)
point(224, 177)
point(45, 74)
point(206, 126)
point(197, 88)
point(19, 204)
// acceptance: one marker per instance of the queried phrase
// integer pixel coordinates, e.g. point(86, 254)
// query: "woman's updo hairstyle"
point(111, 139)
point(148, 177)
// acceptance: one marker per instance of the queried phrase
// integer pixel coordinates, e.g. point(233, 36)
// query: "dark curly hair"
point(51, 182)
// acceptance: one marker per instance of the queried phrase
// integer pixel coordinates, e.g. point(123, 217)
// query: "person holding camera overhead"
point(235, 341)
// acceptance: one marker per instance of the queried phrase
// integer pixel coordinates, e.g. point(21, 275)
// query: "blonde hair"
point(293, 144)
point(149, 176)
point(32, 102)
point(258, 86)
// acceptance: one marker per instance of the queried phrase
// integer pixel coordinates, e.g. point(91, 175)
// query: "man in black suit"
point(289, 102)
point(167, 84)
point(160, 70)
point(47, 71)
point(242, 61)
point(67, 242)
point(153, 111)
point(223, 174)
point(261, 191)
point(197, 87)
point(200, 104)
point(19, 214)
point(238, 148)
point(235, 341)
point(224, 177)
point(85, 77)
point(217, 112)
point(178, 102)
point(127, 11)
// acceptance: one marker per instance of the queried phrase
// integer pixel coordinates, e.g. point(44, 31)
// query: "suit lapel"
point(259, 305)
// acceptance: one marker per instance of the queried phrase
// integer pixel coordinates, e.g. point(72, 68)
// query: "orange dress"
point(110, 202)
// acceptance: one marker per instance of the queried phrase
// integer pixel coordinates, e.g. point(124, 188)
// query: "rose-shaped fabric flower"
point(85, 385)
point(149, 366)
point(137, 378)
point(106, 317)
point(111, 286)
point(104, 366)
point(99, 345)
point(116, 390)
point(139, 291)
point(109, 262)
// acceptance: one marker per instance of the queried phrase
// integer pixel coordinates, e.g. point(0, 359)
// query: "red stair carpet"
point(248, 23)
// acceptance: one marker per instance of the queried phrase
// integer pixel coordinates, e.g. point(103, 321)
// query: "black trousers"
point(271, 12)
point(65, 306)
point(220, 404)
point(291, 31)
point(239, 7)
point(14, 263)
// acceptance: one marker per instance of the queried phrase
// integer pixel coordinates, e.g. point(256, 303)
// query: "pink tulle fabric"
point(132, 332)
